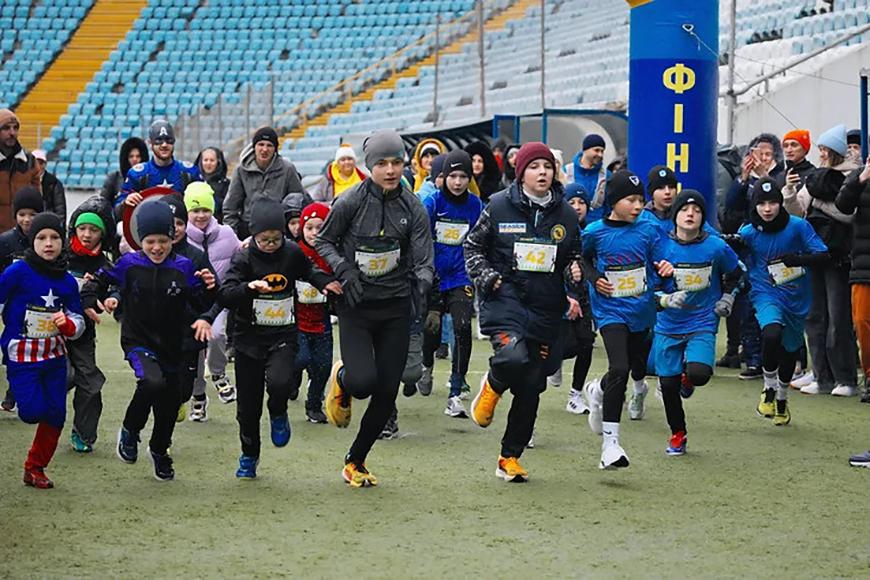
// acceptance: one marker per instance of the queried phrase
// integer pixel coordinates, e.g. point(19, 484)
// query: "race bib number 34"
point(273, 312)
point(535, 256)
point(627, 282)
point(783, 274)
point(693, 278)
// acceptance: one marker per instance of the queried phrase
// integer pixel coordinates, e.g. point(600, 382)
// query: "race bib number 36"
point(783, 274)
point(450, 233)
point(627, 282)
point(38, 323)
point(308, 294)
point(273, 312)
point(535, 256)
point(693, 278)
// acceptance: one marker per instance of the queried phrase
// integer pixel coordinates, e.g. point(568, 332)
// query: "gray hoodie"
point(251, 183)
point(360, 213)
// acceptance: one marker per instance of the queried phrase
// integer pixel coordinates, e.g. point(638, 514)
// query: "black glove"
point(421, 296)
point(432, 324)
point(792, 260)
point(351, 286)
point(486, 281)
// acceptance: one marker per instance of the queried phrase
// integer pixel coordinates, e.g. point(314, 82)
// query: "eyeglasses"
point(268, 241)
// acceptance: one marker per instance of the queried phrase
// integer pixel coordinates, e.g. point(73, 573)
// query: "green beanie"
point(199, 195)
point(92, 219)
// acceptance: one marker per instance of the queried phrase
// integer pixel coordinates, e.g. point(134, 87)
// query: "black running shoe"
point(162, 467)
point(315, 415)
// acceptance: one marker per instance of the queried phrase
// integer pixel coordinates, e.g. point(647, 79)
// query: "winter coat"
point(53, 195)
point(325, 189)
point(97, 204)
point(251, 183)
point(417, 179)
point(16, 172)
point(13, 243)
point(218, 181)
point(488, 182)
point(115, 180)
point(218, 241)
point(739, 196)
point(854, 199)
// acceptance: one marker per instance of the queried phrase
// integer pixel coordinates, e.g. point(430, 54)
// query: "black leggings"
point(459, 303)
point(699, 375)
point(374, 347)
point(157, 391)
point(579, 341)
point(774, 357)
point(626, 352)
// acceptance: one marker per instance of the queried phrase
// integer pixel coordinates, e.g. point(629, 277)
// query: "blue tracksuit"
point(451, 219)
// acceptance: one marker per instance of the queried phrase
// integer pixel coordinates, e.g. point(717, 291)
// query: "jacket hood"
point(221, 172)
point(131, 143)
point(428, 141)
point(99, 205)
point(490, 165)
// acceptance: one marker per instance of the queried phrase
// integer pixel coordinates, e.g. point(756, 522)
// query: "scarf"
point(56, 268)
point(78, 248)
point(341, 183)
point(776, 225)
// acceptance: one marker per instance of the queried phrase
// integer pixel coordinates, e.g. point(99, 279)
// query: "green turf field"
point(748, 500)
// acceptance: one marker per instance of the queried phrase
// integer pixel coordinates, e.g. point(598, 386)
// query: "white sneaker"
point(198, 410)
point(811, 389)
point(844, 391)
point(531, 443)
point(613, 456)
point(635, 404)
point(799, 381)
point(594, 398)
point(576, 404)
point(555, 380)
point(226, 391)
point(455, 408)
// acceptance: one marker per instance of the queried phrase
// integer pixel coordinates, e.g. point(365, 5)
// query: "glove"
point(486, 281)
point(675, 300)
point(792, 260)
point(724, 306)
point(352, 286)
point(432, 324)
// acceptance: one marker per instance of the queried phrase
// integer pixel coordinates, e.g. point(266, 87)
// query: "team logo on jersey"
point(276, 282)
point(558, 233)
point(173, 289)
point(634, 179)
point(512, 228)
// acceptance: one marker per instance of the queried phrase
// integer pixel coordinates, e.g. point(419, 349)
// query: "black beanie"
point(154, 218)
point(266, 214)
point(686, 197)
point(623, 184)
point(660, 176)
point(45, 221)
point(27, 198)
point(179, 210)
point(457, 160)
point(853, 137)
point(766, 189)
point(265, 134)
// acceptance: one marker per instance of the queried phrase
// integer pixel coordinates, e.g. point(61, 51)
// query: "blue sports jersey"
point(698, 269)
point(666, 225)
point(624, 254)
point(771, 281)
point(176, 176)
point(451, 222)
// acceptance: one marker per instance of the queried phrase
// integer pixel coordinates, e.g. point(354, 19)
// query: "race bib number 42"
point(783, 274)
point(38, 323)
point(693, 278)
point(535, 256)
point(273, 312)
point(627, 282)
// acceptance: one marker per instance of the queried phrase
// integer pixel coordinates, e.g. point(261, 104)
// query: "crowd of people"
point(403, 251)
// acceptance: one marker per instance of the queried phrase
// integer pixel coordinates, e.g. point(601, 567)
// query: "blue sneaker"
point(687, 389)
point(128, 446)
point(247, 467)
point(79, 444)
point(677, 444)
point(280, 431)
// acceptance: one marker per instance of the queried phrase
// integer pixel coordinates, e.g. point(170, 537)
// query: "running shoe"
point(483, 405)
point(844, 391)
point(782, 417)
point(730, 360)
point(79, 445)
point(199, 410)
point(280, 430)
point(613, 456)
point(35, 477)
point(860, 460)
point(356, 475)
point(766, 407)
point(8, 403)
point(635, 404)
point(182, 413)
point(576, 404)
point(226, 391)
point(162, 466)
point(687, 389)
point(555, 380)
point(595, 400)
point(315, 416)
point(409, 389)
point(510, 470)
point(455, 408)
point(813, 389)
point(443, 352)
point(751, 374)
point(531, 443)
point(247, 467)
point(128, 446)
point(798, 381)
point(677, 444)
point(424, 385)
point(337, 401)
point(391, 428)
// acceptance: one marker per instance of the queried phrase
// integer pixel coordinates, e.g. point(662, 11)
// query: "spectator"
point(421, 164)
point(486, 173)
point(262, 173)
point(133, 152)
point(17, 167)
point(498, 151)
point(795, 147)
point(53, 194)
point(853, 141)
point(510, 164)
point(340, 174)
point(213, 168)
point(435, 180)
point(587, 169)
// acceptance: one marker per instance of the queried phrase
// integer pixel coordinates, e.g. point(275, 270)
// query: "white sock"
point(610, 432)
point(639, 387)
point(781, 391)
point(770, 380)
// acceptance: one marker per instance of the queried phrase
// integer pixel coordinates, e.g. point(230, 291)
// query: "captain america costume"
point(177, 176)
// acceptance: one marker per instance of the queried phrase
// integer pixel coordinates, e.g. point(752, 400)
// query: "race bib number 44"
point(627, 282)
point(783, 274)
point(273, 311)
point(38, 323)
point(450, 233)
point(693, 278)
point(535, 256)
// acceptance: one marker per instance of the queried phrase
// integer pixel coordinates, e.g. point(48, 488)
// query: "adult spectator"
point(262, 173)
point(587, 169)
point(795, 148)
point(340, 175)
point(510, 164)
point(53, 194)
point(853, 141)
point(213, 167)
point(421, 164)
point(162, 169)
point(485, 168)
point(133, 152)
point(17, 167)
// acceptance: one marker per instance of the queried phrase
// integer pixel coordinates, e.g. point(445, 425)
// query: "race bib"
point(273, 311)
point(783, 274)
point(450, 233)
point(535, 256)
point(38, 323)
point(374, 263)
point(693, 277)
point(308, 294)
point(627, 281)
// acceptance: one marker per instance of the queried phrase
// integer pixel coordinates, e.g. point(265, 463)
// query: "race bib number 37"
point(376, 264)
point(627, 282)
point(535, 256)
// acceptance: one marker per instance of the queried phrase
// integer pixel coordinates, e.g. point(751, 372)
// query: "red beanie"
point(802, 136)
point(528, 153)
point(314, 210)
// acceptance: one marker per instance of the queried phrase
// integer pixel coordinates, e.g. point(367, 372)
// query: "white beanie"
point(345, 151)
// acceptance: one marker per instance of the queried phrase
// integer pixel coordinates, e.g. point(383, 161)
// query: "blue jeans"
point(315, 356)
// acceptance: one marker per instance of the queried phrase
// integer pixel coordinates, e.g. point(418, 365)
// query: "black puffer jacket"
point(854, 198)
point(112, 185)
point(97, 204)
point(218, 181)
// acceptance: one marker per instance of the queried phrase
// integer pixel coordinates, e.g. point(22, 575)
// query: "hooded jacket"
point(488, 182)
point(53, 195)
point(739, 196)
point(218, 180)
point(112, 185)
point(324, 191)
point(251, 183)
point(593, 180)
point(854, 199)
point(418, 178)
point(219, 242)
point(16, 171)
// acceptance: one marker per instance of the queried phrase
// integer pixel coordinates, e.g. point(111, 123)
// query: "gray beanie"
point(386, 144)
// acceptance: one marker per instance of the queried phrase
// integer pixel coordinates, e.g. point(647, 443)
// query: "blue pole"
point(673, 91)
point(864, 135)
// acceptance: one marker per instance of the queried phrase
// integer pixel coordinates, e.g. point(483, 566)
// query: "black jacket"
point(825, 184)
point(12, 245)
point(218, 181)
point(854, 198)
point(79, 265)
point(200, 262)
point(53, 195)
point(527, 303)
point(112, 185)
point(281, 269)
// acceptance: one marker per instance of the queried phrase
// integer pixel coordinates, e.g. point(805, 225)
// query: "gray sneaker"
point(635, 404)
point(455, 408)
point(424, 385)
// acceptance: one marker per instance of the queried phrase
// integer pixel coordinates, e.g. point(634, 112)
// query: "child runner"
point(158, 289)
point(453, 211)
point(312, 317)
point(41, 311)
point(92, 226)
point(259, 289)
point(520, 254)
point(377, 240)
point(780, 247)
point(220, 243)
point(292, 205)
point(706, 272)
point(26, 203)
point(619, 261)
